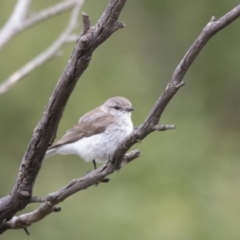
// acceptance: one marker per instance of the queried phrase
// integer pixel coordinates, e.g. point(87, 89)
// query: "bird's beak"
point(129, 109)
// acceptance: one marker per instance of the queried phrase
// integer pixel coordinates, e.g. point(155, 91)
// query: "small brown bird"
point(97, 134)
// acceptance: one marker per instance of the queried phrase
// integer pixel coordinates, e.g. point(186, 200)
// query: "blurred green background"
point(186, 184)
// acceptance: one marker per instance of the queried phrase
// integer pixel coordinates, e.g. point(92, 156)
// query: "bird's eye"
point(116, 107)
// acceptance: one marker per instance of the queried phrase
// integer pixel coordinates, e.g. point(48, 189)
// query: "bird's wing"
point(87, 126)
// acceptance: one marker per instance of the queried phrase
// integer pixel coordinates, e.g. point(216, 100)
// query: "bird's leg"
point(94, 164)
point(105, 180)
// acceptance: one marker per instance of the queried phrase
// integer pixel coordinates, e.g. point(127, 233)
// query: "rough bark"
point(44, 132)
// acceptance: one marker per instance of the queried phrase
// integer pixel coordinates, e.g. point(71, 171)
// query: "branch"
point(50, 12)
point(19, 22)
point(88, 41)
point(14, 22)
point(49, 202)
point(46, 128)
point(47, 54)
point(174, 84)
point(64, 38)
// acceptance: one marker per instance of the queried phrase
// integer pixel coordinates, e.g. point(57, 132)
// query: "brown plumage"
point(86, 127)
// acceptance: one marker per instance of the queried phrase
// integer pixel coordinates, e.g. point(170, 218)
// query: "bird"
point(98, 132)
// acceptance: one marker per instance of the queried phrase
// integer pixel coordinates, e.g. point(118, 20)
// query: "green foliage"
point(185, 185)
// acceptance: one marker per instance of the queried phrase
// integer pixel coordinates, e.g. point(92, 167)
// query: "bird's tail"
point(50, 152)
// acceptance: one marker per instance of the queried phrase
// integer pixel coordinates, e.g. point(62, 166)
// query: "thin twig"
point(46, 55)
point(49, 122)
point(50, 12)
point(174, 84)
point(49, 202)
point(14, 22)
point(46, 129)
point(20, 19)
point(164, 127)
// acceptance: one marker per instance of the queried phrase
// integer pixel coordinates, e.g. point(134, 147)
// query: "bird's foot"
point(105, 180)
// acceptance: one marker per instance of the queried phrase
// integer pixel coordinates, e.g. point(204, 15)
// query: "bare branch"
point(130, 157)
point(164, 127)
point(50, 12)
point(86, 22)
point(50, 201)
point(46, 55)
point(174, 84)
point(42, 136)
point(46, 129)
point(14, 22)
point(118, 26)
point(19, 22)
point(26, 231)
